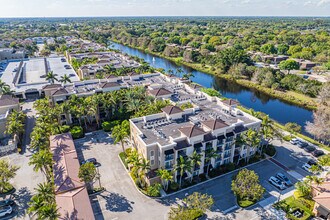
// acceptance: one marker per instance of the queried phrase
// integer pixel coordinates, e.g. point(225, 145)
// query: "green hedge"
point(108, 126)
point(64, 129)
point(154, 190)
point(77, 132)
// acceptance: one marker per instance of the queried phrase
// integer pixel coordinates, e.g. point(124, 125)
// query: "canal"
point(278, 110)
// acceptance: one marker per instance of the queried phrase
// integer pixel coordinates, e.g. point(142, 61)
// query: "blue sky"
point(72, 8)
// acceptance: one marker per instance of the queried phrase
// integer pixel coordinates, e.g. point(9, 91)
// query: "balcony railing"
point(227, 155)
point(168, 167)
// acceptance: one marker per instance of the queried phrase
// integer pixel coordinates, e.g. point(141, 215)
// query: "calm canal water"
point(276, 109)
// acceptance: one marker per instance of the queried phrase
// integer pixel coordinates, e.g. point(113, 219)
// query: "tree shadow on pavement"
point(23, 196)
point(117, 203)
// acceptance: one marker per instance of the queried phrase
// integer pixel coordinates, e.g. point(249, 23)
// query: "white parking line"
point(230, 209)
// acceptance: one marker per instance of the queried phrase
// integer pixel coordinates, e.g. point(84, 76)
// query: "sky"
point(87, 8)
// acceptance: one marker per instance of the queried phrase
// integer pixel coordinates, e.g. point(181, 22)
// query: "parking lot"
point(24, 182)
point(121, 200)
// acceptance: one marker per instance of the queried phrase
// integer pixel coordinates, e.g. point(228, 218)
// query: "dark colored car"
point(63, 59)
point(312, 162)
point(318, 153)
point(90, 160)
point(7, 202)
point(309, 149)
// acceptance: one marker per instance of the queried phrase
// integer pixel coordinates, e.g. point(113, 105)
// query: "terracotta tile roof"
point(192, 131)
point(7, 100)
point(60, 91)
point(70, 193)
point(215, 124)
point(74, 205)
point(181, 145)
point(171, 109)
point(159, 92)
point(323, 194)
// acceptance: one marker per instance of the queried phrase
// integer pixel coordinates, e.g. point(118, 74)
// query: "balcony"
point(227, 155)
point(182, 153)
point(219, 150)
point(230, 139)
point(168, 166)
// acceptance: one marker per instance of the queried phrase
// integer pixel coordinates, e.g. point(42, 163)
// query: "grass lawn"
point(295, 202)
point(245, 203)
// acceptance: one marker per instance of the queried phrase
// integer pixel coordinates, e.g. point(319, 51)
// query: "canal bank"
point(278, 110)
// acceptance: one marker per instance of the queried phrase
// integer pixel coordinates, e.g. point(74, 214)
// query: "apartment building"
point(210, 124)
point(89, 71)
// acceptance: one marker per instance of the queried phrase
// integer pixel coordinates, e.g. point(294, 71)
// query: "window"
point(152, 153)
point(152, 162)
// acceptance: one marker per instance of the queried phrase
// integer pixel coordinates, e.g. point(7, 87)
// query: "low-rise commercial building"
point(7, 54)
point(70, 193)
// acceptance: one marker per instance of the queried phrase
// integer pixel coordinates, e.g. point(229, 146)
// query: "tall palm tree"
point(4, 88)
point(166, 176)
point(51, 77)
point(183, 165)
point(65, 79)
point(42, 160)
point(251, 138)
point(196, 160)
point(209, 155)
point(119, 134)
point(133, 159)
point(144, 167)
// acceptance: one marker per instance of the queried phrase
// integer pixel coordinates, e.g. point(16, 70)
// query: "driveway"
point(123, 201)
point(30, 112)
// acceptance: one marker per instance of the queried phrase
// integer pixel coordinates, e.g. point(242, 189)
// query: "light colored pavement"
point(30, 112)
point(123, 201)
point(25, 181)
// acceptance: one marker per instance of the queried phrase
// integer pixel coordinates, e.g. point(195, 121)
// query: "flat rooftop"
point(34, 72)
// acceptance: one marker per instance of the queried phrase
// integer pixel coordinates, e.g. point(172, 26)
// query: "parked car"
point(284, 179)
point(7, 202)
point(309, 149)
point(302, 144)
point(306, 167)
point(294, 141)
point(90, 160)
point(276, 182)
point(317, 153)
point(63, 59)
point(67, 67)
point(5, 210)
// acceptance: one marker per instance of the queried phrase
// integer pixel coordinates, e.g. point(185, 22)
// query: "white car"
point(306, 167)
point(277, 183)
point(5, 210)
point(294, 141)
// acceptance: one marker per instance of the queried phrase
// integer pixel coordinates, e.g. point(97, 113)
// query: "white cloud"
point(323, 2)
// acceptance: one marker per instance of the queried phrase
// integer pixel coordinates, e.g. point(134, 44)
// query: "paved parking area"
point(121, 200)
point(25, 181)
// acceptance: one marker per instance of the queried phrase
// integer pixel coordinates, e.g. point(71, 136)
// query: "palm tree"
point(179, 71)
point(42, 160)
point(51, 77)
point(15, 124)
point(49, 211)
point(46, 192)
point(183, 165)
point(4, 88)
point(119, 134)
point(187, 76)
point(196, 160)
point(144, 167)
point(133, 159)
point(303, 188)
point(209, 154)
point(65, 79)
point(252, 140)
point(166, 176)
